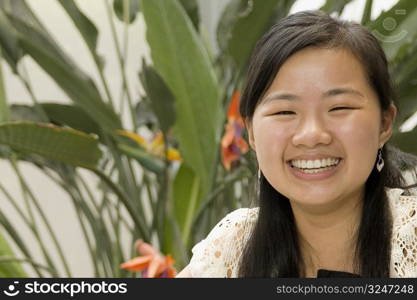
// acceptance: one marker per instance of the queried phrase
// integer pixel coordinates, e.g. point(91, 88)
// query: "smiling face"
point(319, 111)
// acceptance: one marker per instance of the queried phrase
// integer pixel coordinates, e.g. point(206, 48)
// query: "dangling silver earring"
point(380, 162)
point(259, 174)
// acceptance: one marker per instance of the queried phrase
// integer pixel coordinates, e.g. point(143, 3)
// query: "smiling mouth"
point(311, 167)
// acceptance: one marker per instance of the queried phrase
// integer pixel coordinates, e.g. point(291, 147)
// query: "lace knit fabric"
point(219, 253)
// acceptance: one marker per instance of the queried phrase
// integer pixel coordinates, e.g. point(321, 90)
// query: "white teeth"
point(313, 171)
point(315, 164)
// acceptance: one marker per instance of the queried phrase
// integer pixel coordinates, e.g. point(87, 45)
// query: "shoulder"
point(403, 205)
point(218, 254)
point(404, 233)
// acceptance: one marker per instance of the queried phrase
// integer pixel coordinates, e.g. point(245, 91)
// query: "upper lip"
point(313, 157)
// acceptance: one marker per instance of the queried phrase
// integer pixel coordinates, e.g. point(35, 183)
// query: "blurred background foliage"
point(171, 189)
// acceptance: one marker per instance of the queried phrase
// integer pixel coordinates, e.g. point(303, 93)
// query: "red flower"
point(233, 145)
point(150, 262)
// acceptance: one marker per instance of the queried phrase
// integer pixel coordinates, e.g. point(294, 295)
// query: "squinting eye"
point(285, 112)
point(341, 107)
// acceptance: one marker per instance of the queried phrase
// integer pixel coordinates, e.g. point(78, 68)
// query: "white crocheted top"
point(219, 253)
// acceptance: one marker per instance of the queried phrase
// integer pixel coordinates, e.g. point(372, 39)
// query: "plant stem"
point(77, 208)
point(32, 217)
point(113, 258)
point(99, 229)
point(148, 183)
point(121, 61)
point(7, 259)
point(13, 202)
point(212, 196)
point(103, 81)
point(17, 239)
point(26, 187)
point(139, 225)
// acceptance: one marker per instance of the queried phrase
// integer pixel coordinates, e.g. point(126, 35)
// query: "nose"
point(311, 132)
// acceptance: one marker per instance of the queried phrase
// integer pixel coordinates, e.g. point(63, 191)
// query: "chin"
point(315, 199)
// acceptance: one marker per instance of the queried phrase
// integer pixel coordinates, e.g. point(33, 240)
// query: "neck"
point(327, 234)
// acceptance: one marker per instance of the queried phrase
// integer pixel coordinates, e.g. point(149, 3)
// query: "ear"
point(387, 124)
point(248, 125)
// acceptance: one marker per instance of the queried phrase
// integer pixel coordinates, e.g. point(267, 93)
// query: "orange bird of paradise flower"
point(233, 145)
point(150, 262)
point(155, 146)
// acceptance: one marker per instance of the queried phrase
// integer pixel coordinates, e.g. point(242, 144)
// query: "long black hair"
point(273, 248)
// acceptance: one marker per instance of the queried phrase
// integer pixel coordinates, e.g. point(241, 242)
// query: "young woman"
point(319, 109)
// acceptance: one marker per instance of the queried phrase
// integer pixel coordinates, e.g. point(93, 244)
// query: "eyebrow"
point(327, 94)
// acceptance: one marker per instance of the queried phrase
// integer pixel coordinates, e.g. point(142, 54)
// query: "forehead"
point(319, 69)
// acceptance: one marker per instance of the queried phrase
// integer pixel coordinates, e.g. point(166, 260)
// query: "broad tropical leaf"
point(251, 25)
point(71, 116)
point(186, 200)
point(161, 98)
point(60, 114)
point(62, 144)
point(191, 7)
point(181, 60)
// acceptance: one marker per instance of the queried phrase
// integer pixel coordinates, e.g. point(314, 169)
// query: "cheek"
point(360, 138)
point(270, 142)
point(362, 131)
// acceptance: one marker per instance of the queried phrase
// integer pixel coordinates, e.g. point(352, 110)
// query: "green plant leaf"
point(19, 9)
point(8, 39)
point(191, 7)
point(257, 17)
point(173, 243)
point(75, 83)
point(407, 104)
point(404, 72)
point(186, 199)
point(148, 161)
point(86, 28)
point(396, 26)
point(59, 114)
point(4, 109)
point(9, 44)
point(230, 15)
point(334, 6)
point(182, 61)
point(23, 112)
point(406, 141)
point(9, 269)
point(161, 98)
point(62, 144)
point(145, 115)
point(133, 5)
point(72, 116)
point(366, 15)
